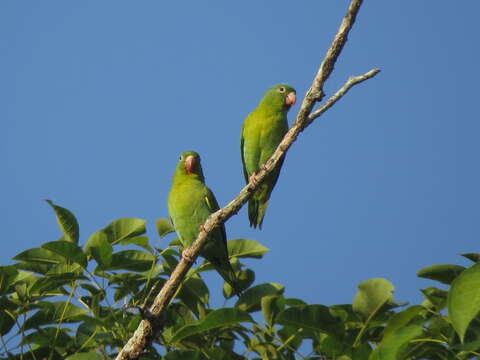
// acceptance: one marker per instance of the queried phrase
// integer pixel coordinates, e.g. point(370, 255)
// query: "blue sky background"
point(98, 99)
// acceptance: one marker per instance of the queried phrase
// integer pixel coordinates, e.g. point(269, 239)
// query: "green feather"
point(262, 131)
point(190, 202)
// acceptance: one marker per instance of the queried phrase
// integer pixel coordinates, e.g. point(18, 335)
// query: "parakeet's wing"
point(249, 144)
point(216, 250)
point(213, 206)
point(261, 135)
point(242, 144)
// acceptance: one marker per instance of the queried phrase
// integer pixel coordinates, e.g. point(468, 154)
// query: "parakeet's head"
point(189, 164)
point(281, 96)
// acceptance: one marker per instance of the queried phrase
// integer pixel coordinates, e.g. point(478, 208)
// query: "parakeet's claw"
point(264, 167)
point(201, 228)
point(187, 255)
point(253, 179)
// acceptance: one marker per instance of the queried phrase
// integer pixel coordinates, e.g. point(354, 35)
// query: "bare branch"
point(153, 323)
point(315, 93)
point(352, 81)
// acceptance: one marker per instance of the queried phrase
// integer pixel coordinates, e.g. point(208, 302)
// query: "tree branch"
point(154, 321)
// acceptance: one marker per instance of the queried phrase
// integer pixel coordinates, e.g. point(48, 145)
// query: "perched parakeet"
point(190, 202)
point(262, 131)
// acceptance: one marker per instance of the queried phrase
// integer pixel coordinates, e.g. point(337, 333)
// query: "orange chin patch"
point(189, 164)
point(291, 99)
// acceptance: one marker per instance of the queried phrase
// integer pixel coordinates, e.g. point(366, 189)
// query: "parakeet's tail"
point(257, 205)
point(230, 278)
point(256, 212)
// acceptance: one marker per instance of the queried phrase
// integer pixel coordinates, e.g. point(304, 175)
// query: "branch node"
point(145, 314)
point(154, 317)
point(316, 95)
point(188, 256)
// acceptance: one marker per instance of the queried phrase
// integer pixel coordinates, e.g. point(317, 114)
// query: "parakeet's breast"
point(263, 131)
point(272, 131)
point(187, 210)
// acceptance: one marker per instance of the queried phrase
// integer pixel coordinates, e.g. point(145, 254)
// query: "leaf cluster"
point(65, 301)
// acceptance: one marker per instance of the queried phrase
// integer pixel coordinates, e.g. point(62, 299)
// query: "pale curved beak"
point(189, 164)
point(291, 98)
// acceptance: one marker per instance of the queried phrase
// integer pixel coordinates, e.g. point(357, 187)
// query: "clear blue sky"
point(98, 99)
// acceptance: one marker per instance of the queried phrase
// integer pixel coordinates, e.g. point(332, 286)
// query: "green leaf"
point(392, 346)
point(92, 289)
point(7, 309)
point(40, 255)
point(6, 322)
point(135, 260)
point(127, 283)
point(315, 317)
point(35, 267)
point(54, 312)
point(86, 332)
point(217, 318)
point(7, 276)
point(251, 299)
point(294, 302)
point(55, 282)
point(437, 297)
point(196, 286)
point(470, 346)
point(194, 293)
point(221, 353)
point(60, 269)
point(245, 248)
point(67, 222)
point(184, 355)
point(464, 299)
point(164, 227)
point(271, 306)
point(176, 243)
point(244, 279)
point(124, 228)
point(44, 336)
point(141, 241)
point(293, 336)
point(70, 251)
point(475, 257)
point(442, 273)
point(372, 294)
point(100, 249)
point(85, 356)
point(332, 347)
point(402, 319)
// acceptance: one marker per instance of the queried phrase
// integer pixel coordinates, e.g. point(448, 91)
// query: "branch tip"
point(153, 318)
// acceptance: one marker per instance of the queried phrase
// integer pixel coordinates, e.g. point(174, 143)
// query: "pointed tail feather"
point(225, 270)
point(256, 212)
point(257, 206)
point(230, 278)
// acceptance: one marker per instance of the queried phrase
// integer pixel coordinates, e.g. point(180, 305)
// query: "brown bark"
point(153, 322)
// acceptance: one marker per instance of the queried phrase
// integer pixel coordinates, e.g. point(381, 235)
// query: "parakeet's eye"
point(282, 89)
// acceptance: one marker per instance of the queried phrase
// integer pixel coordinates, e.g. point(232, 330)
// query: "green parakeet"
point(190, 202)
point(262, 131)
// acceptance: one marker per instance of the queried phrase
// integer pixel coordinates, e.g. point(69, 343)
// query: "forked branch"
point(153, 322)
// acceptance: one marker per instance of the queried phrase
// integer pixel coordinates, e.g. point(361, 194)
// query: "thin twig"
point(154, 322)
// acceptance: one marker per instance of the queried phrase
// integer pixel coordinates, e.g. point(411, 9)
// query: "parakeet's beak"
point(291, 98)
point(189, 164)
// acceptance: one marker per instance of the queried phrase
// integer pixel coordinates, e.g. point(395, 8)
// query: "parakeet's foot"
point(253, 179)
point(264, 167)
point(187, 255)
point(201, 228)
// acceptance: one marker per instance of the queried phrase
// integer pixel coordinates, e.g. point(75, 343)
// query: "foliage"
point(62, 301)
